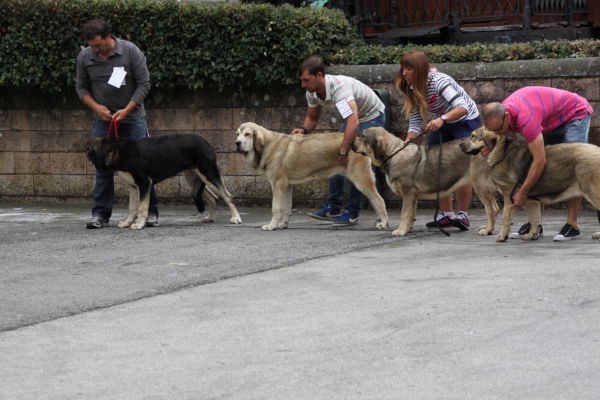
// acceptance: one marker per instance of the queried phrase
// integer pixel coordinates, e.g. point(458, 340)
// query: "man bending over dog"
point(360, 108)
point(544, 116)
point(113, 80)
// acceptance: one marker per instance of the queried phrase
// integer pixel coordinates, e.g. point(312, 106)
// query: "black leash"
point(438, 182)
point(437, 208)
point(399, 150)
point(521, 180)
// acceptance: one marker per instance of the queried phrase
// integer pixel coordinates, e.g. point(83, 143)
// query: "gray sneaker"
point(152, 221)
point(96, 223)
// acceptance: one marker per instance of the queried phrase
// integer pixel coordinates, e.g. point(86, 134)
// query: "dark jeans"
point(457, 130)
point(337, 182)
point(104, 191)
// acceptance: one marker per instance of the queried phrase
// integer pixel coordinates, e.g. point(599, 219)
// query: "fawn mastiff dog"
point(411, 171)
point(286, 160)
point(572, 170)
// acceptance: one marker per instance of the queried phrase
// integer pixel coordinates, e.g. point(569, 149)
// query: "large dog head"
point(374, 143)
point(100, 152)
point(250, 138)
point(479, 139)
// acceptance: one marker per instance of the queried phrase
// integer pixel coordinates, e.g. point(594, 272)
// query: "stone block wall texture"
point(38, 133)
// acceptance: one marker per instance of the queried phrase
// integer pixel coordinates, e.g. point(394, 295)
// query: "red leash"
point(114, 124)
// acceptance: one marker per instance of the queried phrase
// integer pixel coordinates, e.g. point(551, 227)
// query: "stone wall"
point(38, 132)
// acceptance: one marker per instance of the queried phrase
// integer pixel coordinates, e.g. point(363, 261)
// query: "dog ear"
point(81, 145)
point(490, 142)
point(378, 147)
point(258, 139)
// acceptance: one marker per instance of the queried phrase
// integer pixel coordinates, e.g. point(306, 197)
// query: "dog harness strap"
point(114, 124)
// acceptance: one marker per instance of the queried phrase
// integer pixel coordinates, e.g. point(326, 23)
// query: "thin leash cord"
point(439, 174)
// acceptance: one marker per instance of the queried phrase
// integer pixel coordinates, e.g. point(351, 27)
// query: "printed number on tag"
point(344, 108)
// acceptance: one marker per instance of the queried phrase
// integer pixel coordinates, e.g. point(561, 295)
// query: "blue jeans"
point(572, 132)
point(337, 182)
point(104, 191)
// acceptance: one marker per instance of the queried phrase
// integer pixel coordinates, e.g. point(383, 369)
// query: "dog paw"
point(124, 224)
point(282, 225)
point(484, 232)
point(235, 220)
point(381, 225)
point(596, 235)
point(269, 228)
point(530, 236)
point(137, 226)
point(398, 232)
point(501, 238)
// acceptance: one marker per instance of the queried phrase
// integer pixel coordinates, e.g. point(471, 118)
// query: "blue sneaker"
point(346, 219)
point(326, 213)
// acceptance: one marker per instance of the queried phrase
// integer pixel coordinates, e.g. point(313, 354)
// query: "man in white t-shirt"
point(360, 108)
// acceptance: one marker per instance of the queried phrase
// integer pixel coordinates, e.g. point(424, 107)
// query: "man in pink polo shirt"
point(544, 116)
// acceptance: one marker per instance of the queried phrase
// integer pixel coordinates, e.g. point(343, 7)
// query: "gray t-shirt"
point(93, 74)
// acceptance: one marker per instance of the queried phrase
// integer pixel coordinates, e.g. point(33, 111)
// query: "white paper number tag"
point(344, 108)
point(117, 79)
point(449, 93)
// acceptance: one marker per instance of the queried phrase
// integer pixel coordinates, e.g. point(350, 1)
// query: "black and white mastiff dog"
point(144, 162)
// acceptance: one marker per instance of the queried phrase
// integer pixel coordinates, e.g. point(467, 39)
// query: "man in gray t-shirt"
point(113, 80)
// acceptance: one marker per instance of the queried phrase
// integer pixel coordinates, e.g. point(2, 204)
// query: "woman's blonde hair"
point(415, 93)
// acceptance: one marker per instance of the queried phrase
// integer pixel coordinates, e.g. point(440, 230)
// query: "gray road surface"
point(216, 311)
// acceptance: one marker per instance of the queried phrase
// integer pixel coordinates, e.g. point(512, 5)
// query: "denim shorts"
point(377, 121)
point(457, 130)
point(572, 132)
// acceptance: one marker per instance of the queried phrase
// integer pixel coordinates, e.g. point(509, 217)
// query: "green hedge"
point(477, 52)
point(213, 46)
point(196, 44)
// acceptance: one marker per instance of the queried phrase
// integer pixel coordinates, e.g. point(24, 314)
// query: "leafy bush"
point(477, 52)
point(196, 44)
point(214, 46)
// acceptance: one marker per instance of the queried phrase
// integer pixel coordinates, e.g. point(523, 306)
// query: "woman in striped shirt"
point(427, 90)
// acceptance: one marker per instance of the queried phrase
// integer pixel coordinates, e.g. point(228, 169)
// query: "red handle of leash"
point(114, 124)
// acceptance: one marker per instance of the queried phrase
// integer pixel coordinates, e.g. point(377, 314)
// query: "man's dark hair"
point(96, 27)
point(314, 65)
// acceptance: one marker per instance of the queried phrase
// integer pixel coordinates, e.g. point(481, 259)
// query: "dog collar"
point(399, 150)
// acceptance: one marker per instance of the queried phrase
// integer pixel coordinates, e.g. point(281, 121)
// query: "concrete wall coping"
point(470, 71)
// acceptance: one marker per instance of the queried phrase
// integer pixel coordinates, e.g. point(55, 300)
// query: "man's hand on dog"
point(343, 160)
point(519, 199)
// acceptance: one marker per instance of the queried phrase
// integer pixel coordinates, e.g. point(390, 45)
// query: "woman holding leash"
point(427, 90)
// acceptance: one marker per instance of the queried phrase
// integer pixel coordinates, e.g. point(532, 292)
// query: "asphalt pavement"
point(216, 311)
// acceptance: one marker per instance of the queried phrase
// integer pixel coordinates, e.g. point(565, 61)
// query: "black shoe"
point(567, 233)
point(445, 222)
point(461, 222)
point(524, 230)
point(96, 223)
